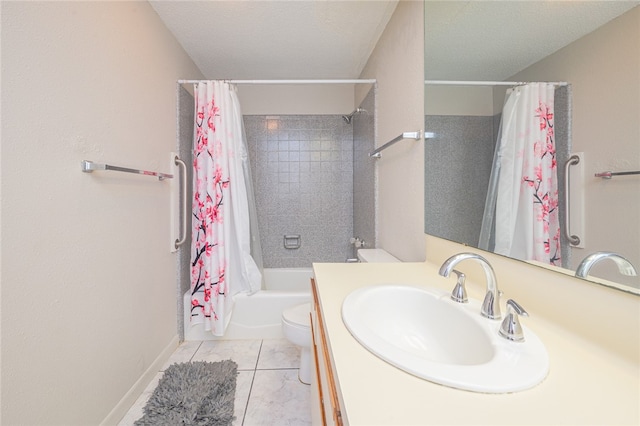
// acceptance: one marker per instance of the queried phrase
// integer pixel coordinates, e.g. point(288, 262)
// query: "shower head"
point(347, 118)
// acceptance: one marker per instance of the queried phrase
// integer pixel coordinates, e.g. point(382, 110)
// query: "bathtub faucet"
point(357, 242)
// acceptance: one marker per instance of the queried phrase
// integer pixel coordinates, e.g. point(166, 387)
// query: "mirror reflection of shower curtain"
point(521, 209)
point(221, 262)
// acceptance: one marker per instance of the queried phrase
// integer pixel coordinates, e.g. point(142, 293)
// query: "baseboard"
point(123, 406)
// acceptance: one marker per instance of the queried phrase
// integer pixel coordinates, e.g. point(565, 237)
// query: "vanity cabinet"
point(325, 406)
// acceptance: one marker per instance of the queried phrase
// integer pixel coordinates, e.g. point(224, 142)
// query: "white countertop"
point(586, 383)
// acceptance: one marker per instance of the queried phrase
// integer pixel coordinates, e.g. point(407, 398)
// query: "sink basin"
point(425, 333)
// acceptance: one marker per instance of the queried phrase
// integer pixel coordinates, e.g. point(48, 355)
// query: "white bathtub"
point(258, 316)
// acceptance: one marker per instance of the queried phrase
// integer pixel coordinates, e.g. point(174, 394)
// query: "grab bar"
point(573, 239)
point(183, 227)
point(406, 135)
point(90, 166)
point(609, 175)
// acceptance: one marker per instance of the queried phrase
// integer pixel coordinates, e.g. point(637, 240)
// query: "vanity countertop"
point(586, 384)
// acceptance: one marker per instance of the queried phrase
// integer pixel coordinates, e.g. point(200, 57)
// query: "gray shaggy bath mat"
point(193, 393)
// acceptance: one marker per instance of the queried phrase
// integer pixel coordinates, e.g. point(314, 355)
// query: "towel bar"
point(90, 166)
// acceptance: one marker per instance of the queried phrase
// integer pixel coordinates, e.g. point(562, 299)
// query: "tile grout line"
point(246, 406)
point(196, 351)
point(163, 368)
point(277, 369)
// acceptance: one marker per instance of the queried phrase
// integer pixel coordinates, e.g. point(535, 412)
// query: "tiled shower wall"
point(458, 163)
point(302, 168)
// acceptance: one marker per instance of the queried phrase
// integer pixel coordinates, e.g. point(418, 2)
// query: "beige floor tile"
point(243, 352)
point(278, 353)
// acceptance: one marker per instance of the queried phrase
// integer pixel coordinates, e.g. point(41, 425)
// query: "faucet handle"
point(491, 305)
point(510, 328)
point(459, 293)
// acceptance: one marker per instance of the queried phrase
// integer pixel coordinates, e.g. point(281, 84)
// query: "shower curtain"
point(521, 211)
point(221, 261)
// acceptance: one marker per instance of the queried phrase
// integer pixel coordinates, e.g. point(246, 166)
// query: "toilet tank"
point(375, 256)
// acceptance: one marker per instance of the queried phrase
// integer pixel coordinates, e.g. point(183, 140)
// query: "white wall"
point(397, 64)
point(271, 99)
point(88, 284)
point(604, 71)
point(458, 100)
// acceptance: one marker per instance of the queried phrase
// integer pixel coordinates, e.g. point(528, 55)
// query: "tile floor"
point(268, 391)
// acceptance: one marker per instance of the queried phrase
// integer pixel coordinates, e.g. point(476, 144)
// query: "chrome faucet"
point(491, 305)
point(624, 266)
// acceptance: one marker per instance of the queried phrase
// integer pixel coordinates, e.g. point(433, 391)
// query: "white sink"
point(425, 333)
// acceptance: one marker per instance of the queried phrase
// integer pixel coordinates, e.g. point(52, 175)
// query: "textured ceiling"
point(277, 39)
point(309, 39)
point(493, 40)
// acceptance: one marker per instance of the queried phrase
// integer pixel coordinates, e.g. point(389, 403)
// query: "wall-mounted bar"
point(609, 175)
point(344, 81)
point(406, 135)
point(574, 240)
point(183, 190)
point(90, 166)
point(488, 83)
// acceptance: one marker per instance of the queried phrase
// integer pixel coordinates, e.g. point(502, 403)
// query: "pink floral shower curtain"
point(527, 225)
point(221, 264)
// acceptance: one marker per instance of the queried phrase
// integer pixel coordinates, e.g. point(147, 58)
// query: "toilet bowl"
point(296, 327)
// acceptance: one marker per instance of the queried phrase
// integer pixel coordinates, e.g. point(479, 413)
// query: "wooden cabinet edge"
point(318, 383)
point(333, 395)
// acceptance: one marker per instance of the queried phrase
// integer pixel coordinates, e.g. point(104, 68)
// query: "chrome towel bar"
point(406, 135)
point(609, 175)
point(90, 166)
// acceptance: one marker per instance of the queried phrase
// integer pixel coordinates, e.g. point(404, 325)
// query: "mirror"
point(592, 46)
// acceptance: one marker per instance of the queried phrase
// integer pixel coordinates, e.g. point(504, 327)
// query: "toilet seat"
point(298, 316)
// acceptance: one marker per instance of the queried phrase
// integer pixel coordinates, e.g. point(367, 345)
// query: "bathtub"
point(258, 316)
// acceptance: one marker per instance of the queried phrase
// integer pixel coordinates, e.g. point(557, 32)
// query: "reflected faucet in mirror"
point(624, 266)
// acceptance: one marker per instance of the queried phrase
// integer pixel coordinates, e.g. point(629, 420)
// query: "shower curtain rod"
point(487, 83)
point(353, 81)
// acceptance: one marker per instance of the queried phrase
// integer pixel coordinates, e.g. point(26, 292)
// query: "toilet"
point(296, 327)
point(296, 321)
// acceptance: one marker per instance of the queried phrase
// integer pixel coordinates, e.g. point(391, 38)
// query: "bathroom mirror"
point(593, 46)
